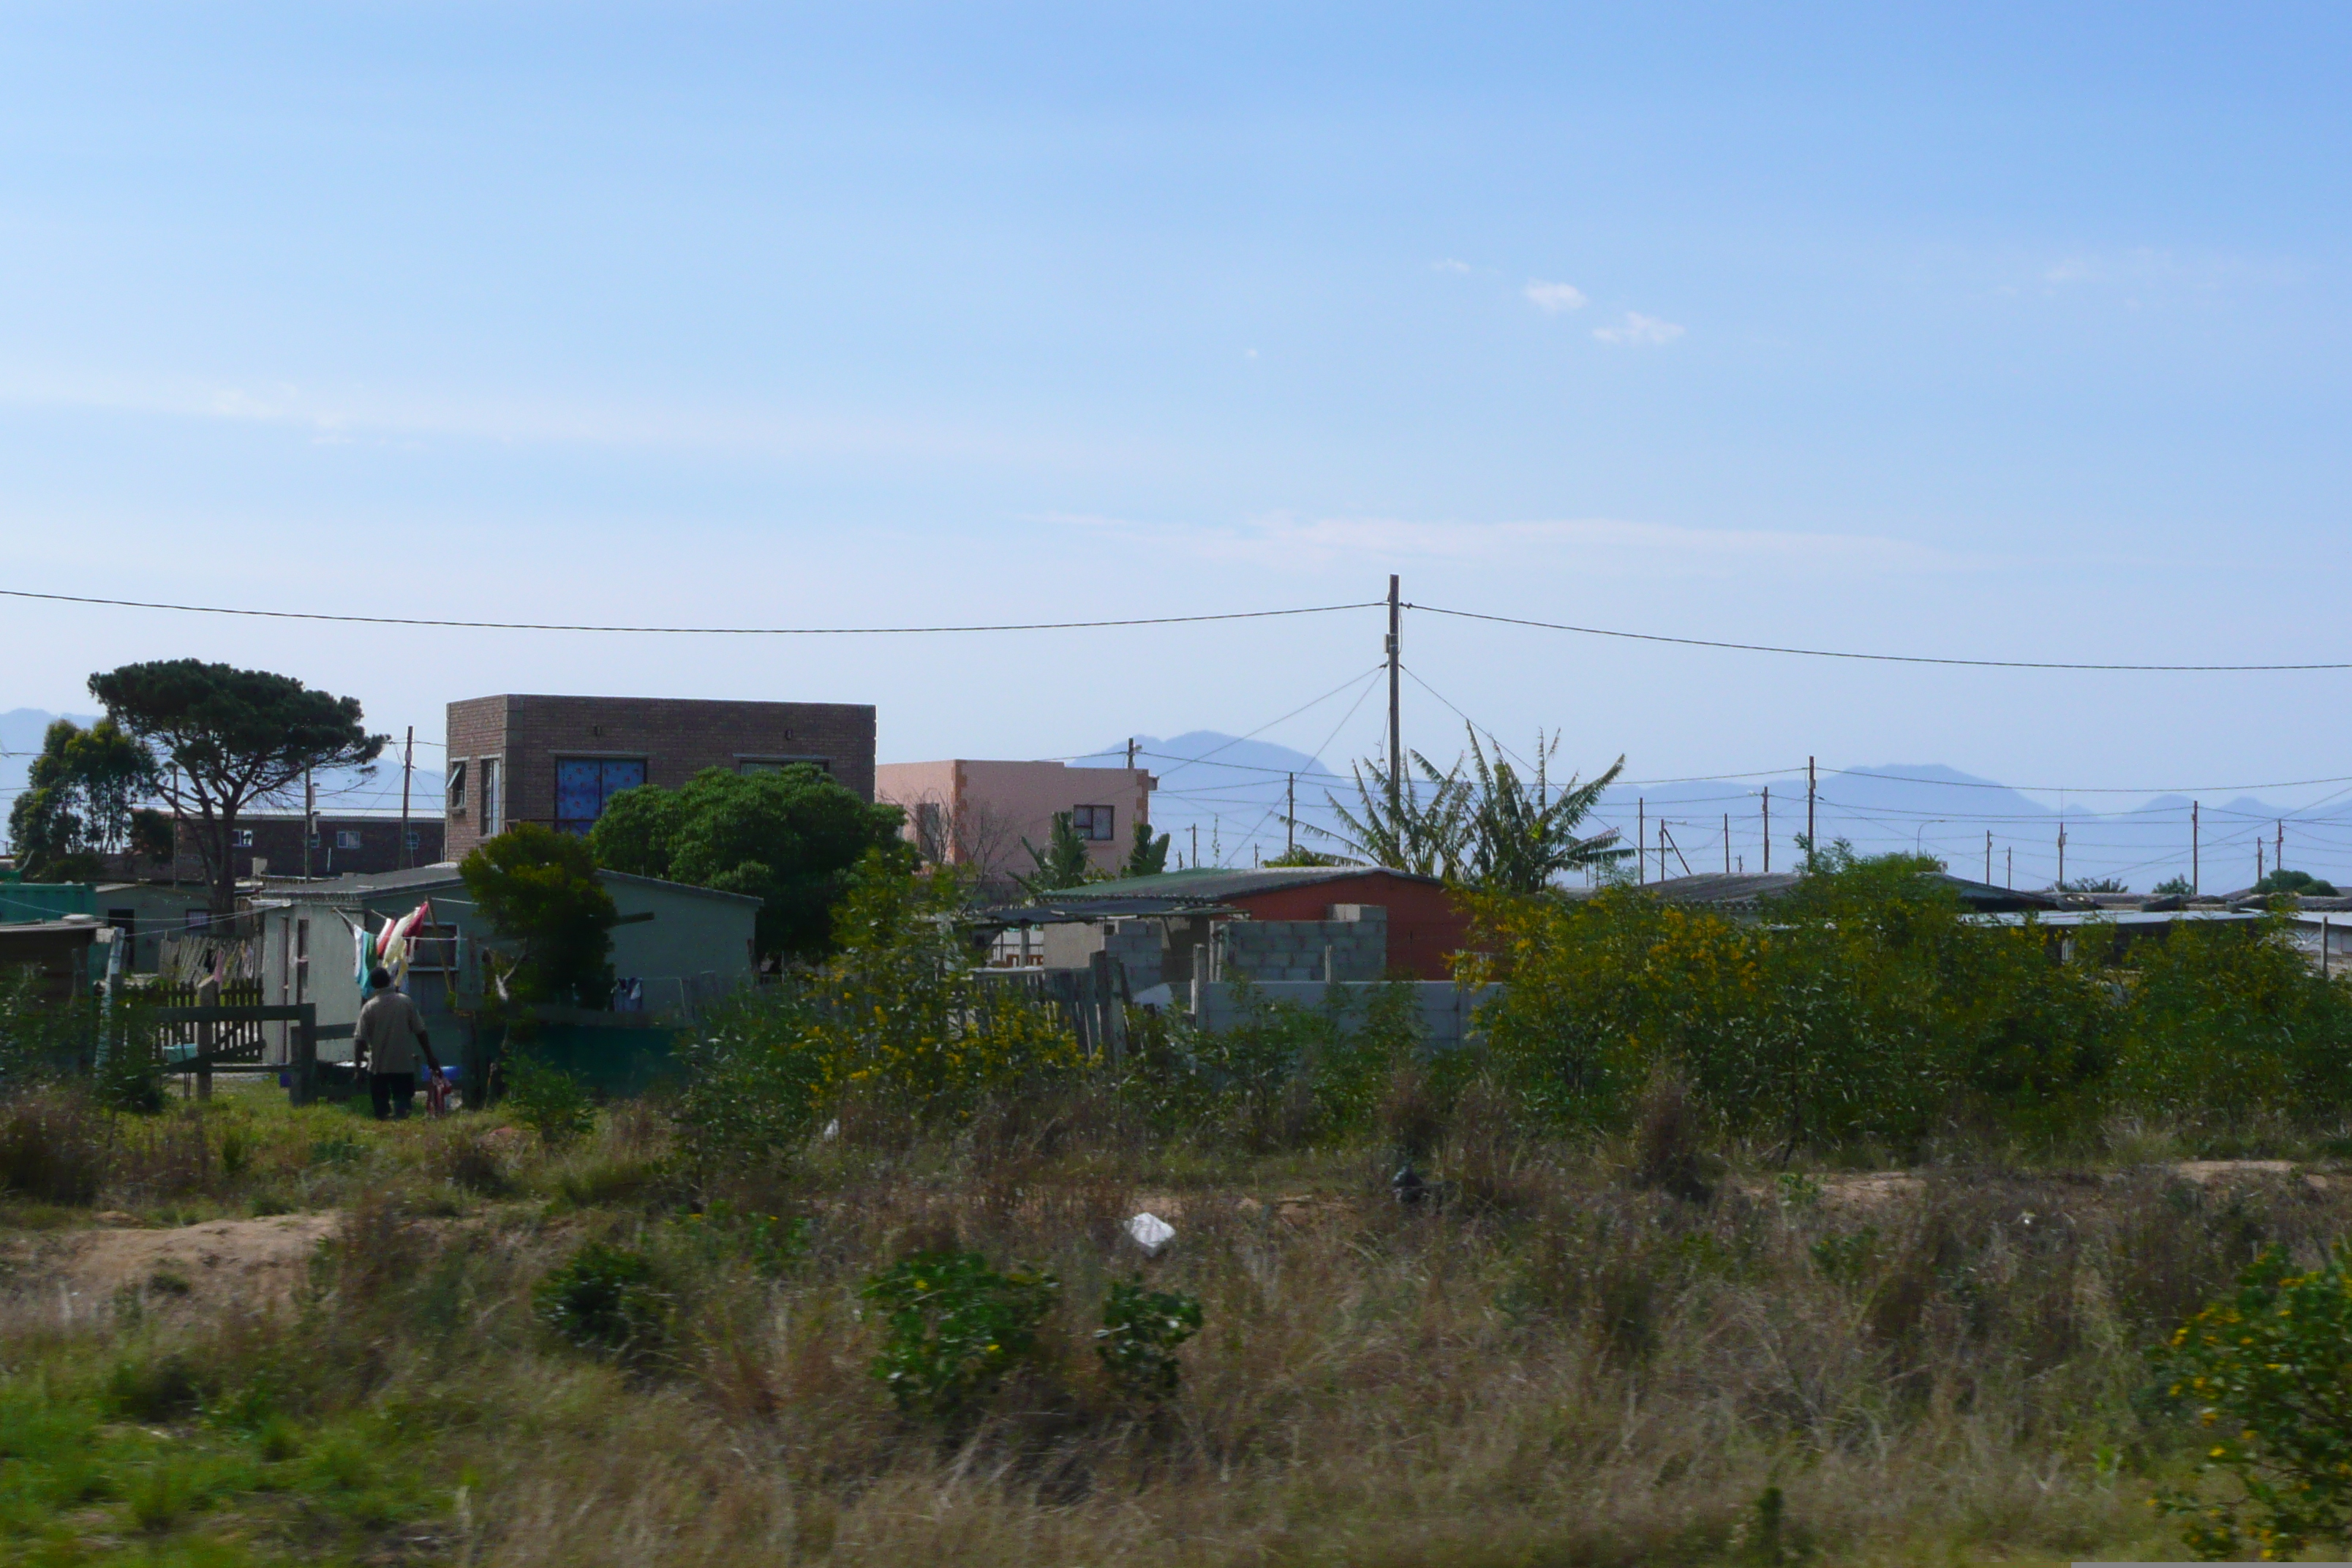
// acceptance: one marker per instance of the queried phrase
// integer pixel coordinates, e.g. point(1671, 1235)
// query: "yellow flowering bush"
point(897, 1013)
point(2268, 1375)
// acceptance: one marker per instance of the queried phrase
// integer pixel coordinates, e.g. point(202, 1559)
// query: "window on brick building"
point(346, 839)
point(457, 786)
point(583, 785)
point(494, 805)
point(1093, 823)
point(240, 838)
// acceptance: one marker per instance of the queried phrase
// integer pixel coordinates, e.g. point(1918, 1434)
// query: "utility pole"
point(1196, 846)
point(1641, 840)
point(1726, 844)
point(407, 769)
point(1988, 856)
point(1811, 846)
point(1396, 740)
point(2008, 858)
point(2258, 860)
point(1131, 753)
point(2278, 859)
point(1289, 812)
point(2193, 847)
point(309, 820)
point(2062, 855)
point(1768, 830)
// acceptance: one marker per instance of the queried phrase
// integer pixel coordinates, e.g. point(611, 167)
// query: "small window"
point(346, 839)
point(583, 785)
point(240, 838)
point(457, 786)
point(196, 919)
point(493, 804)
point(1093, 823)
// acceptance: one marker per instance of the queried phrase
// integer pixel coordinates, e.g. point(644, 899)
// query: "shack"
point(676, 949)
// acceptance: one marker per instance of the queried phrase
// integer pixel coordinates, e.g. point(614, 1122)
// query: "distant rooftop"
point(1214, 884)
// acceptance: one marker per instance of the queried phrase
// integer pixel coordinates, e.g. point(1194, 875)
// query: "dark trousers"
point(392, 1093)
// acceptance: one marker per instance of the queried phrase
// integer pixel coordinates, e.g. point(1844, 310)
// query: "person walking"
point(387, 1042)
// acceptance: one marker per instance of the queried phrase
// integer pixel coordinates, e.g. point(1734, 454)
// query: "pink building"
point(966, 813)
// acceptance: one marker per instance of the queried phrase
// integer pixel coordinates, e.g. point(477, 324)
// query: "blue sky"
point(1987, 331)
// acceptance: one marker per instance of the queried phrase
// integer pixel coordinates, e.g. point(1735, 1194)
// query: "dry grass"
point(1569, 1355)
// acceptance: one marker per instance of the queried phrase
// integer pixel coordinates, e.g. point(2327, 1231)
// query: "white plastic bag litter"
point(1151, 1233)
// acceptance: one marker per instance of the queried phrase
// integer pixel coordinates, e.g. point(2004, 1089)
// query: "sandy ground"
point(254, 1264)
point(221, 1265)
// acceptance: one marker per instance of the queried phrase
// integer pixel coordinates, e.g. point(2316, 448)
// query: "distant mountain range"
point(1232, 791)
point(1958, 817)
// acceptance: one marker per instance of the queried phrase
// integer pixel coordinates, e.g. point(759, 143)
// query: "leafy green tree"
point(80, 800)
point(789, 838)
point(1146, 856)
point(2301, 883)
point(537, 887)
point(1299, 855)
point(231, 737)
point(1063, 863)
point(2173, 888)
point(2093, 885)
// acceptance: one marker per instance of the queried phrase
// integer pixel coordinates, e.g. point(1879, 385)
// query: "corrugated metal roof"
point(1746, 891)
point(1209, 884)
point(1071, 912)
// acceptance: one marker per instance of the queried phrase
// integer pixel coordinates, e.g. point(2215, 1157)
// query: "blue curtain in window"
point(583, 785)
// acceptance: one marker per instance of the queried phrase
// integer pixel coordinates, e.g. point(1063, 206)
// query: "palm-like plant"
point(1521, 836)
point(1406, 830)
point(1487, 827)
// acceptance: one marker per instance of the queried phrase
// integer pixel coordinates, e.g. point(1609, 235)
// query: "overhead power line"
point(689, 631)
point(1872, 658)
point(1170, 621)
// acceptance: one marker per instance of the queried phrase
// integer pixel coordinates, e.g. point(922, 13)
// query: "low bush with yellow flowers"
point(2266, 1374)
point(895, 1015)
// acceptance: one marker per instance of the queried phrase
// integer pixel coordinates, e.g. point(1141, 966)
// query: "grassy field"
point(1609, 1353)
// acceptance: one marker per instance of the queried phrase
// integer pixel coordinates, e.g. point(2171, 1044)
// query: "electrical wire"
point(687, 631)
point(1875, 657)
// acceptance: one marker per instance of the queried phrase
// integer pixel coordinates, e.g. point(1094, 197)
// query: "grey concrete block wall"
point(1449, 1013)
point(1281, 950)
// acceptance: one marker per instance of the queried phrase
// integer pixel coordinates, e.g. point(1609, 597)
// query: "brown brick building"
point(269, 843)
point(556, 760)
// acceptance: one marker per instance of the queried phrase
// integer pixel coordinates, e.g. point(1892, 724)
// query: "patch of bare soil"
point(244, 1264)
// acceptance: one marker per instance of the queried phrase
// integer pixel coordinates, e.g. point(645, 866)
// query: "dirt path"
point(221, 1264)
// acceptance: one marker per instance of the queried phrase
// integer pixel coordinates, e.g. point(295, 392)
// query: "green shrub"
point(606, 1300)
point(1138, 1341)
point(2269, 1371)
point(547, 1099)
point(54, 1146)
point(953, 1328)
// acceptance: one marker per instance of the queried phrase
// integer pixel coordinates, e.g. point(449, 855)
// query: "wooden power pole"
point(407, 770)
point(1396, 740)
point(1812, 847)
point(1768, 830)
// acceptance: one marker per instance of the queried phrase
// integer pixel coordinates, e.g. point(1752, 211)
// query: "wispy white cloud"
point(1637, 328)
point(358, 415)
point(1449, 264)
point(1554, 297)
point(2144, 269)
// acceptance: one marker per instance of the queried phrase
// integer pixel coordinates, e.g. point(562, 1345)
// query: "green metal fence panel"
point(46, 900)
